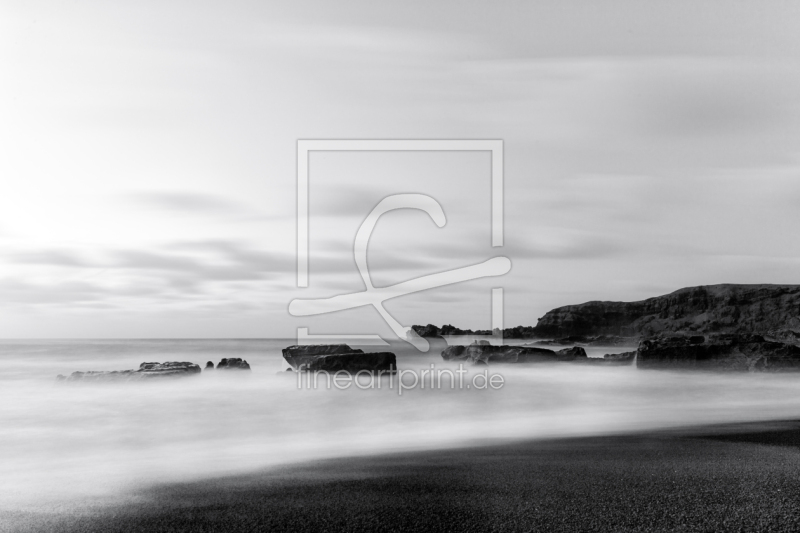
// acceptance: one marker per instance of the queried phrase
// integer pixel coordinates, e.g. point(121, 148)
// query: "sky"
point(148, 171)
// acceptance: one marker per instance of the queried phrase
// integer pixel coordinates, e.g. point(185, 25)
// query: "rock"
point(426, 331)
point(599, 340)
point(771, 310)
point(454, 353)
point(571, 354)
point(146, 371)
point(209, 366)
point(565, 341)
point(729, 352)
point(518, 332)
point(625, 358)
point(784, 335)
point(335, 357)
point(484, 353)
point(612, 340)
point(297, 356)
point(233, 363)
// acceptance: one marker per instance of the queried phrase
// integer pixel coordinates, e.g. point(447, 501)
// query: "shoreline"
point(719, 477)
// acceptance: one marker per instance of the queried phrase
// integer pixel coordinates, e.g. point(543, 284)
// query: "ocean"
point(93, 444)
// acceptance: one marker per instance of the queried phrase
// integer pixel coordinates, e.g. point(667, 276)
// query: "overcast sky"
point(147, 171)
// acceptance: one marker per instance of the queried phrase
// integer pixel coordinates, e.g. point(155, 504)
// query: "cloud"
point(17, 291)
point(213, 270)
point(47, 257)
point(191, 202)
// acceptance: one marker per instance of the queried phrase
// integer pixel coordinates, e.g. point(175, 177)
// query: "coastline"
point(723, 477)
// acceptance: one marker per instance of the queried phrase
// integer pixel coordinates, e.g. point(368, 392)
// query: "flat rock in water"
point(599, 340)
point(337, 357)
point(621, 359)
point(488, 354)
point(146, 371)
point(729, 352)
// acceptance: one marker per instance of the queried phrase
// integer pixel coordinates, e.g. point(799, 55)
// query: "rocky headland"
point(753, 328)
point(769, 310)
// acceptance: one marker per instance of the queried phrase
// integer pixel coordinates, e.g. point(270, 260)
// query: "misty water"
point(95, 443)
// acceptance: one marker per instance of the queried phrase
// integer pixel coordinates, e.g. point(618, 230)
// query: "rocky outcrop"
point(621, 359)
point(770, 310)
point(146, 371)
point(338, 357)
point(233, 363)
point(483, 353)
point(729, 352)
point(430, 331)
point(209, 366)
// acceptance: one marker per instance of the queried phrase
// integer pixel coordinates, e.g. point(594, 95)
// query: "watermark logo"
point(401, 380)
point(376, 296)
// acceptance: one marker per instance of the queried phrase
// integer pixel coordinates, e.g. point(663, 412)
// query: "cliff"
point(771, 310)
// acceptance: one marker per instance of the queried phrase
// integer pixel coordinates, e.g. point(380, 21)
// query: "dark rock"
point(600, 340)
point(146, 371)
point(426, 331)
point(454, 353)
point(565, 341)
point(336, 357)
point(518, 332)
point(484, 353)
point(772, 310)
point(233, 363)
point(612, 340)
point(209, 366)
point(783, 335)
point(571, 354)
point(624, 358)
point(730, 352)
point(298, 356)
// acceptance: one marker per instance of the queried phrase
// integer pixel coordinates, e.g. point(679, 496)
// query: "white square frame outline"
point(304, 146)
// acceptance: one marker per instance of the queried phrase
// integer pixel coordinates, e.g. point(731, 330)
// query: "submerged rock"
point(599, 340)
point(571, 354)
point(729, 352)
point(146, 371)
point(336, 357)
point(484, 353)
point(624, 358)
point(233, 363)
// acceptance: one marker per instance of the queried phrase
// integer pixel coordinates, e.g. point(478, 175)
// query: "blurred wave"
point(67, 443)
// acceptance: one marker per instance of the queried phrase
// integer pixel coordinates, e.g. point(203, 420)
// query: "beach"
point(560, 447)
point(733, 477)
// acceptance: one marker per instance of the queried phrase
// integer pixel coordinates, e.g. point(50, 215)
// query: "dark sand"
point(727, 478)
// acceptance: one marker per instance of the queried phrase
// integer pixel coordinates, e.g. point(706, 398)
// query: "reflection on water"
point(63, 443)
